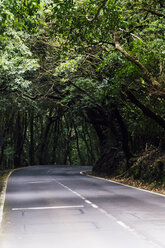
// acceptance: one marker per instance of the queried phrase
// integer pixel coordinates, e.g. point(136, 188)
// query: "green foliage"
point(83, 21)
point(15, 60)
point(75, 75)
point(68, 66)
point(20, 14)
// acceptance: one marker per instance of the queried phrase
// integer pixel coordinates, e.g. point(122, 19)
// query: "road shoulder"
point(4, 176)
point(160, 190)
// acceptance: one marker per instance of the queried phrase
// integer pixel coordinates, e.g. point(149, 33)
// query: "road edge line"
point(3, 195)
point(126, 185)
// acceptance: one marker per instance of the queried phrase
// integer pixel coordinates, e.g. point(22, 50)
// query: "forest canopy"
point(82, 82)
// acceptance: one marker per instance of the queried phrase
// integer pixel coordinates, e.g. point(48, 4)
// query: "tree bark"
point(78, 147)
point(124, 132)
point(31, 147)
point(21, 128)
point(42, 155)
point(67, 147)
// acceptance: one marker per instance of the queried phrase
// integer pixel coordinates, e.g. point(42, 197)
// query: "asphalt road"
point(57, 207)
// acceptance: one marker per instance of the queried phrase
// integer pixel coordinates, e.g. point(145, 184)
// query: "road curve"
point(57, 207)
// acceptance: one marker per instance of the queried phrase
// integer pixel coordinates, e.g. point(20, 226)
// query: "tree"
point(129, 62)
point(93, 74)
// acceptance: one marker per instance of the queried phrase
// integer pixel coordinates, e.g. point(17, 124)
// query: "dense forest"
point(82, 82)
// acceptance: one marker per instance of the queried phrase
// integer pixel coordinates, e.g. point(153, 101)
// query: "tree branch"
point(98, 11)
point(146, 111)
point(154, 12)
point(147, 75)
point(41, 95)
point(82, 90)
point(3, 88)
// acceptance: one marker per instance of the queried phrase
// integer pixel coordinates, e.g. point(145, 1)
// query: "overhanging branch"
point(154, 12)
point(147, 75)
point(33, 98)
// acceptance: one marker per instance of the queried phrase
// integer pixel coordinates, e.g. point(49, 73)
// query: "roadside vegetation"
point(3, 177)
point(83, 83)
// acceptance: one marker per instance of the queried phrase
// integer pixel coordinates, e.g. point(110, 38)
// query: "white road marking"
point(3, 196)
point(125, 185)
point(124, 225)
point(43, 181)
point(90, 203)
point(96, 207)
point(44, 208)
point(33, 182)
point(79, 195)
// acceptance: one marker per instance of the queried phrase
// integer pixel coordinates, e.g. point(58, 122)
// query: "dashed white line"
point(97, 207)
point(79, 195)
point(124, 225)
point(94, 205)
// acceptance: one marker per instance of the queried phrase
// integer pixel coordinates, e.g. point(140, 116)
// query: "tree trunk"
point(42, 151)
point(125, 135)
point(78, 147)
point(31, 147)
point(21, 128)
